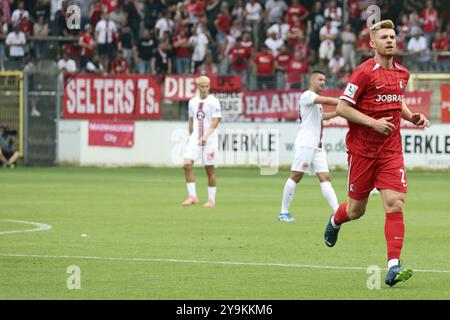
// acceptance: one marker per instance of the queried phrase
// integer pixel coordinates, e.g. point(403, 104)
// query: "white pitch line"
point(39, 226)
point(259, 264)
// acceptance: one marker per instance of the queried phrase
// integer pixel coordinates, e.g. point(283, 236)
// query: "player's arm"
point(329, 115)
point(416, 118)
point(327, 100)
point(214, 125)
point(346, 111)
point(191, 125)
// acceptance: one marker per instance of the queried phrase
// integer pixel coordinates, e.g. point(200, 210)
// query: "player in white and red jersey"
point(310, 155)
point(373, 104)
point(204, 117)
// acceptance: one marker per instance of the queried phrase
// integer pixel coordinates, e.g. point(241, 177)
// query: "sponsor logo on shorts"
point(210, 156)
point(305, 166)
point(352, 189)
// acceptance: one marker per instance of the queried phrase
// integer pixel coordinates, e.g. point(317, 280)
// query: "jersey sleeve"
point(307, 98)
point(355, 86)
point(216, 109)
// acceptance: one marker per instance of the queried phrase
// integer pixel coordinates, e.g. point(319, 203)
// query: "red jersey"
point(376, 92)
point(298, 11)
point(248, 45)
point(265, 63)
point(86, 38)
point(283, 59)
point(239, 58)
point(430, 20)
point(295, 70)
point(120, 66)
point(441, 45)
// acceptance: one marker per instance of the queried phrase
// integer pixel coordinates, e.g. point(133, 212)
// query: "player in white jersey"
point(310, 155)
point(204, 117)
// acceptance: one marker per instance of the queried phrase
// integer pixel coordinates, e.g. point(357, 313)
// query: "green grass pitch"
point(141, 243)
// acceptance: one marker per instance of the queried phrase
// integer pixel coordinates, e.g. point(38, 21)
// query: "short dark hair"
point(318, 71)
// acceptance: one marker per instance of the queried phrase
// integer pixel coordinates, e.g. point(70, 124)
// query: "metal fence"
point(11, 105)
point(41, 113)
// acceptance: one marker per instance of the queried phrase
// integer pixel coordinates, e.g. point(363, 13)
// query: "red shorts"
point(364, 174)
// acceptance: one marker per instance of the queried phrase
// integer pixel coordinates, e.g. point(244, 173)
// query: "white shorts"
point(206, 154)
point(310, 160)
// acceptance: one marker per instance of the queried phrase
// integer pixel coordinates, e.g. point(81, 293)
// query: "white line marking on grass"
point(39, 226)
point(238, 263)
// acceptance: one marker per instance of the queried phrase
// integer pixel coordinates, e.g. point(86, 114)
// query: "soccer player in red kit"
point(373, 105)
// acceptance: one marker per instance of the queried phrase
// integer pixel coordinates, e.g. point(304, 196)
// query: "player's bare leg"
point(13, 159)
point(3, 159)
point(190, 183)
point(288, 195)
point(211, 172)
point(327, 190)
point(350, 210)
point(394, 231)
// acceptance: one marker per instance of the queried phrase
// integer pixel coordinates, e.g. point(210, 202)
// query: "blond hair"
point(384, 24)
point(202, 80)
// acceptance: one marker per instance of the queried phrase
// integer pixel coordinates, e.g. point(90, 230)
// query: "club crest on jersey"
point(350, 90)
point(200, 115)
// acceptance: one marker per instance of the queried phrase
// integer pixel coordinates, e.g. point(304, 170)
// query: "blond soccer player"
point(204, 117)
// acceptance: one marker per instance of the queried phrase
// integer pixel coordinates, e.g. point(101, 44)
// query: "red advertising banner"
point(111, 97)
point(283, 104)
point(445, 103)
point(182, 87)
point(107, 133)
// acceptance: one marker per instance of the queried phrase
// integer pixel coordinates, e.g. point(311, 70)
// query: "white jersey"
point(202, 112)
point(311, 127)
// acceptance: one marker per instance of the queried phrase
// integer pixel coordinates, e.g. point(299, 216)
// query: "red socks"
point(394, 230)
point(341, 215)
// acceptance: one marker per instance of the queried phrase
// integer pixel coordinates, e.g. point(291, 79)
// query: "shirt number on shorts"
point(403, 177)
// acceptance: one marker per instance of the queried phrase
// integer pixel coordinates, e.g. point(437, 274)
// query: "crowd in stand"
point(271, 43)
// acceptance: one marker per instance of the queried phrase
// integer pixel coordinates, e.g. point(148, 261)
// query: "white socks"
point(212, 193)
point(288, 195)
point(392, 262)
point(191, 189)
point(330, 195)
point(192, 192)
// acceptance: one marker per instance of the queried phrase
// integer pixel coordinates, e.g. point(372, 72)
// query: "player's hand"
point(202, 141)
point(420, 120)
point(383, 126)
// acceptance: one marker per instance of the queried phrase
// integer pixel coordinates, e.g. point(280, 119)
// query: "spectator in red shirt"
point(207, 68)
point(110, 5)
point(281, 64)
point(362, 46)
point(119, 65)
point(196, 9)
point(264, 66)
point(182, 52)
point(430, 21)
point(239, 60)
point(298, 11)
point(295, 32)
point(247, 43)
point(87, 44)
point(96, 12)
point(297, 71)
point(223, 24)
point(441, 45)
point(354, 11)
